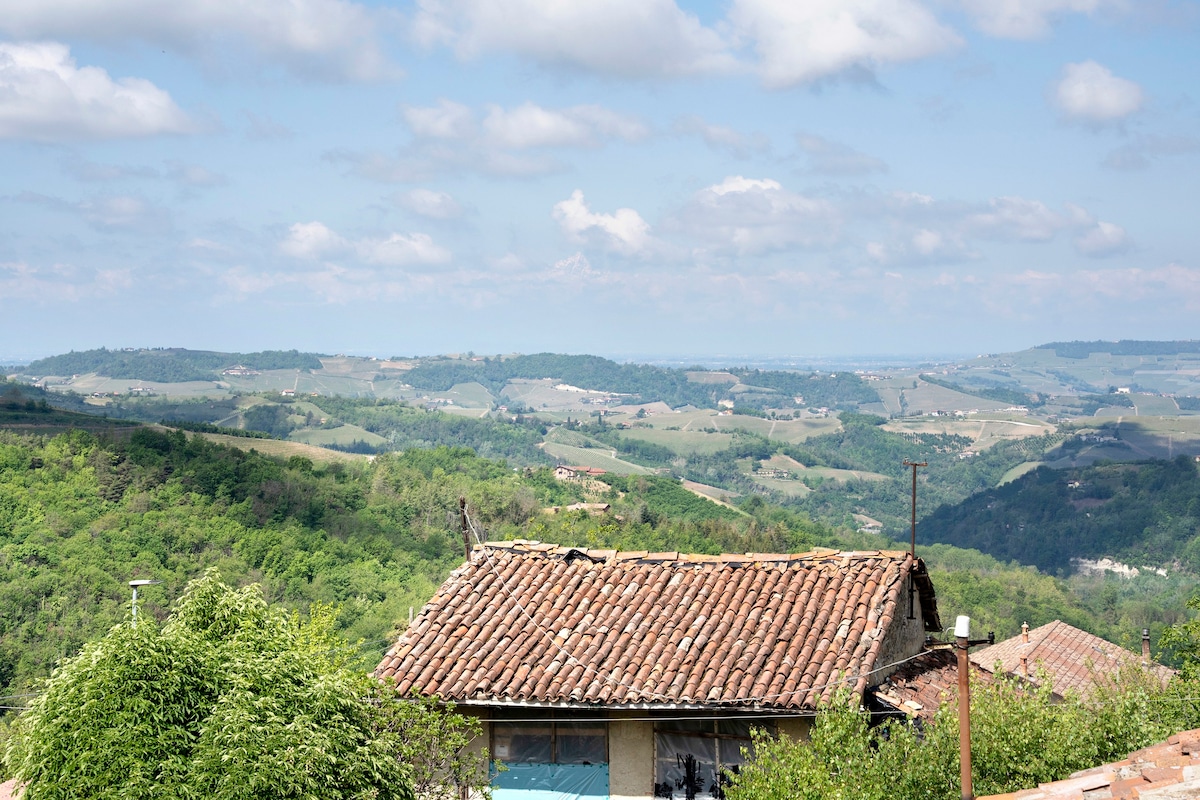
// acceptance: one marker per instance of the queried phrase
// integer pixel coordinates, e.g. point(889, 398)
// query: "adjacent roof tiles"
point(919, 687)
point(1072, 658)
point(537, 623)
point(1167, 771)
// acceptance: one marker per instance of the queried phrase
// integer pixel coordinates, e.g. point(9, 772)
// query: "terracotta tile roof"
point(532, 622)
point(1166, 771)
point(1073, 658)
point(919, 687)
point(9, 790)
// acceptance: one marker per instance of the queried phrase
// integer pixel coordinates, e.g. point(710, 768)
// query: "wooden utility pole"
point(912, 587)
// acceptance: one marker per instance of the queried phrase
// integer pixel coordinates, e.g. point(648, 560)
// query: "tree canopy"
point(230, 698)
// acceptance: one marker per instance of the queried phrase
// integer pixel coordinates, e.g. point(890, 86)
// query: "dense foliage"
point(229, 699)
point(167, 365)
point(831, 390)
point(645, 383)
point(1142, 513)
point(1019, 739)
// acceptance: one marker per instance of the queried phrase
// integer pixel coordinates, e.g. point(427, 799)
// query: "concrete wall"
point(630, 756)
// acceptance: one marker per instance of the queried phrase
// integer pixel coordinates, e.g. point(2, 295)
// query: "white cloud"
point(1016, 218)
point(399, 250)
point(315, 241)
point(44, 96)
point(324, 38)
point(530, 125)
point(428, 203)
point(629, 38)
point(826, 157)
point(446, 120)
point(1101, 240)
point(312, 240)
point(803, 42)
point(625, 231)
point(1027, 19)
point(450, 137)
point(1089, 92)
point(20, 280)
point(751, 216)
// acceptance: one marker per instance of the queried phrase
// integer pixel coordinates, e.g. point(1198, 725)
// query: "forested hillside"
point(81, 515)
point(167, 365)
point(1145, 513)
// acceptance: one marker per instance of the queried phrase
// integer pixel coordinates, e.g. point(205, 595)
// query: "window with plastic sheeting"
point(694, 758)
point(550, 742)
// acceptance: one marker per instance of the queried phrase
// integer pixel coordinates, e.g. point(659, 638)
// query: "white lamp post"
point(134, 585)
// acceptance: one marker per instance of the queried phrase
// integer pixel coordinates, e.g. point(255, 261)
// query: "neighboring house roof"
point(1166, 771)
point(1074, 659)
point(919, 687)
point(523, 622)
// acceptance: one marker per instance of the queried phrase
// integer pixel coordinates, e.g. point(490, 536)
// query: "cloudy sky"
point(763, 177)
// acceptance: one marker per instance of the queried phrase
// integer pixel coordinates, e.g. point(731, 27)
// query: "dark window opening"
point(550, 742)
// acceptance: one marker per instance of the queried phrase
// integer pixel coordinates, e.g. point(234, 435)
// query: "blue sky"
point(833, 177)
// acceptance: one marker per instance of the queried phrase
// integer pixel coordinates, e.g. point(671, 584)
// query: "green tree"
point(229, 699)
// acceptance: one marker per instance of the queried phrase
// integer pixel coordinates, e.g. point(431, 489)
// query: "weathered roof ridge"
point(817, 554)
point(533, 622)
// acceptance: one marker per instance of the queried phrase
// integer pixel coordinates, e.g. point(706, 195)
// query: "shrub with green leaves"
point(1019, 738)
point(229, 699)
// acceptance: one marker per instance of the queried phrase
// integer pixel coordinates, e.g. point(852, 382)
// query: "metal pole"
point(912, 586)
point(134, 585)
point(962, 631)
point(462, 516)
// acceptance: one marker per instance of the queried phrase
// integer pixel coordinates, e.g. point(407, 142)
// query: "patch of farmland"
point(1161, 437)
point(342, 435)
point(719, 496)
point(282, 449)
point(984, 430)
point(589, 457)
point(929, 397)
point(682, 442)
point(791, 431)
point(711, 377)
point(1018, 471)
point(89, 383)
point(1151, 405)
point(468, 395)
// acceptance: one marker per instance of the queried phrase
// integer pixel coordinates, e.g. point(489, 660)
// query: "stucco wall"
point(630, 756)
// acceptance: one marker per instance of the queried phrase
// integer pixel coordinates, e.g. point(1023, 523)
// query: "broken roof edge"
point(821, 554)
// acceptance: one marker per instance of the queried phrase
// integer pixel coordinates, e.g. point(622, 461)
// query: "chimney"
point(1024, 633)
point(1146, 644)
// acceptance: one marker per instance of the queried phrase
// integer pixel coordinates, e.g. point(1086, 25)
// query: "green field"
point(984, 429)
point(343, 435)
point(681, 442)
point(791, 431)
point(590, 457)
